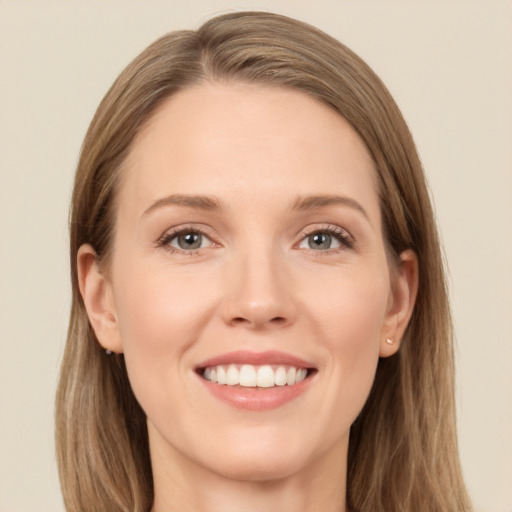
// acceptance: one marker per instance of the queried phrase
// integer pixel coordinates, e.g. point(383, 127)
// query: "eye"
point(320, 242)
point(326, 239)
point(185, 240)
point(188, 241)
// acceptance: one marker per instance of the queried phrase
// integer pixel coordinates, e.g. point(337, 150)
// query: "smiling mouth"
point(256, 381)
point(255, 376)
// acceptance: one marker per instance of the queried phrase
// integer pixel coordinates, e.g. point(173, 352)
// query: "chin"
point(259, 468)
point(271, 459)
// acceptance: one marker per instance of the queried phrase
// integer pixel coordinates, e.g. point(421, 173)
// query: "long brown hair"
point(403, 451)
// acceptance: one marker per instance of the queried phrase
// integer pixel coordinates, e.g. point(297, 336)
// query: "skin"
point(255, 284)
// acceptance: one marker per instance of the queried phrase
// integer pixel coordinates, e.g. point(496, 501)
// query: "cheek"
point(160, 315)
point(158, 309)
point(351, 309)
point(349, 320)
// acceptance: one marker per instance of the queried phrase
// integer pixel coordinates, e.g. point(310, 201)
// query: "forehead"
point(245, 139)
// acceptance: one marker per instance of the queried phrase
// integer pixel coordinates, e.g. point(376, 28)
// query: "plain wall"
point(448, 64)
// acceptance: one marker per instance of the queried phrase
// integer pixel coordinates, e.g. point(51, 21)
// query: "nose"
point(259, 293)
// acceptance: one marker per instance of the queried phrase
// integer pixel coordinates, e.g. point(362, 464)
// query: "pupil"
point(320, 241)
point(190, 241)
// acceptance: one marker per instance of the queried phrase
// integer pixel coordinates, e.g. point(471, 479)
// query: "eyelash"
point(165, 240)
point(340, 234)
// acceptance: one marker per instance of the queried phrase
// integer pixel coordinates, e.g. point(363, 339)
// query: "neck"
point(181, 485)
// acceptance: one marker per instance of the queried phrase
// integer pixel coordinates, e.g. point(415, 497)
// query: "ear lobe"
point(96, 291)
point(404, 290)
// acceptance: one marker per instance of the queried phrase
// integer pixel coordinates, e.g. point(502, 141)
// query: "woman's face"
point(248, 249)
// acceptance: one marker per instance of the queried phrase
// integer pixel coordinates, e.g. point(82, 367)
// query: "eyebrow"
point(189, 201)
point(208, 203)
point(316, 202)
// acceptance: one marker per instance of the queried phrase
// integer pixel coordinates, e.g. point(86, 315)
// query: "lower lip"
point(256, 399)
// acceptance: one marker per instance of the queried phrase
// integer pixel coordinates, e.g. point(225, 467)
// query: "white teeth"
point(301, 375)
point(290, 376)
point(280, 376)
point(251, 376)
point(265, 377)
point(247, 376)
point(232, 375)
point(221, 375)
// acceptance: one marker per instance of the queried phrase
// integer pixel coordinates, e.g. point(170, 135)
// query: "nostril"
point(276, 321)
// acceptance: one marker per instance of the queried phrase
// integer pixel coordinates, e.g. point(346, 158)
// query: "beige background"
point(448, 63)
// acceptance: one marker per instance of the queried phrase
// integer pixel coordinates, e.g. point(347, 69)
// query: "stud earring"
point(389, 341)
point(108, 352)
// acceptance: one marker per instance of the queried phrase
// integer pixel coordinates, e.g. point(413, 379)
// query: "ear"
point(96, 291)
point(404, 288)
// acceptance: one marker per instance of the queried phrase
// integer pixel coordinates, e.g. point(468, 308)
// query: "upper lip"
point(270, 357)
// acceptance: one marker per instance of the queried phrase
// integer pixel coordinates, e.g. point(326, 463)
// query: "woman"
point(259, 312)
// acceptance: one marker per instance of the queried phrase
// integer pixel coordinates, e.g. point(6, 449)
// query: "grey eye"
point(320, 241)
point(188, 241)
